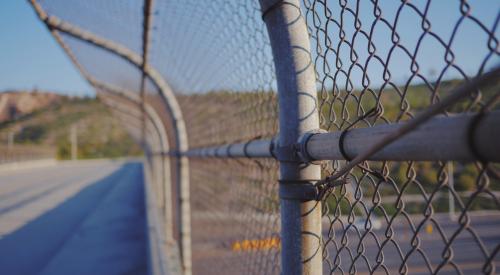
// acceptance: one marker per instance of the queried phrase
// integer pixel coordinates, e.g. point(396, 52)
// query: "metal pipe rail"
point(262, 148)
point(440, 139)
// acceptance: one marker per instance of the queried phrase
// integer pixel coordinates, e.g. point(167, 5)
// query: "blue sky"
point(30, 57)
point(469, 44)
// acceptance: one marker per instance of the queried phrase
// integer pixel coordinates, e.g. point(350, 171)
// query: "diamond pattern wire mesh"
point(104, 18)
point(235, 216)
point(105, 67)
point(393, 60)
point(225, 84)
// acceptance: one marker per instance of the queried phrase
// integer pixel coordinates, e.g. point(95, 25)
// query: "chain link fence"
point(380, 63)
point(322, 137)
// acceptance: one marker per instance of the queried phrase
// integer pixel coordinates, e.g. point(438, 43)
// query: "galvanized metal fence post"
point(165, 173)
point(298, 115)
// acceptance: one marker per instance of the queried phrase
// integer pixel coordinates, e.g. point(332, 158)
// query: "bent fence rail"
point(387, 115)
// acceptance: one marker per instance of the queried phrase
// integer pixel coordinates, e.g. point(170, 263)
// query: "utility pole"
point(10, 140)
point(74, 142)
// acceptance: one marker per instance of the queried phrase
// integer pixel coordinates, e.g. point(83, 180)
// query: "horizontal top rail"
point(440, 139)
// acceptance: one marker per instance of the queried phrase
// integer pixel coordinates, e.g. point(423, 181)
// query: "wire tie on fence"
point(474, 123)
point(370, 113)
point(471, 138)
point(333, 181)
point(272, 147)
point(341, 144)
point(326, 184)
point(307, 190)
point(228, 150)
point(300, 190)
point(245, 149)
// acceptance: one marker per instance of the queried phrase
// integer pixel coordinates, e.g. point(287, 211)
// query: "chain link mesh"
point(103, 66)
point(394, 59)
point(104, 18)
point(235, 217)
point(216, 56)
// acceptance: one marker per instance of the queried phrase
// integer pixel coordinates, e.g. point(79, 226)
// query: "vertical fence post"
point(181, 142)
point(184, 198)
point(298, 114)
point(73, 138)
point(167, 194)
point(165, 170)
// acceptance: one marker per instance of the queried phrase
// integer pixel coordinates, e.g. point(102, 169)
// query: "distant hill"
point(43, 120)
point(14, 104)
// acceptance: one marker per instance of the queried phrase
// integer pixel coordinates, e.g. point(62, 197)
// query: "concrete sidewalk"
point(78, 219)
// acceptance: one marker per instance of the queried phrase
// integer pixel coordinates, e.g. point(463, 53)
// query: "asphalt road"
point(468, 257)
point(74, 218)
point(214, 235)
point(88, 218)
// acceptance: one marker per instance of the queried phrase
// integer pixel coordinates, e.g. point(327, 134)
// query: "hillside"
point(15, 104)
point(42, 121)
